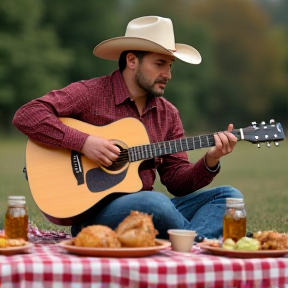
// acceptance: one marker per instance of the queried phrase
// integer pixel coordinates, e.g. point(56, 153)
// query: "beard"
point(147, 85)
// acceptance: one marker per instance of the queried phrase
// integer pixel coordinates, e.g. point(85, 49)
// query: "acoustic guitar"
point(67, 186)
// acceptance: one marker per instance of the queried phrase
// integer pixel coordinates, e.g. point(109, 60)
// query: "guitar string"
point(145, 151)
point(162, 145)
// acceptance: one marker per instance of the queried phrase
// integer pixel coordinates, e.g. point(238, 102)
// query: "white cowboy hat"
point(149, 33)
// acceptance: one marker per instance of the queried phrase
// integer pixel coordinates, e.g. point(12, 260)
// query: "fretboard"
point(149, 151)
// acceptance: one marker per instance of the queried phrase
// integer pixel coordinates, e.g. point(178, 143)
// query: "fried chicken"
point(137, 230)
point(7, 243)
point(97, 236)
point(272, 240)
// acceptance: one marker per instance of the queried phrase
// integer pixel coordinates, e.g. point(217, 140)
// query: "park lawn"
point(260, 174)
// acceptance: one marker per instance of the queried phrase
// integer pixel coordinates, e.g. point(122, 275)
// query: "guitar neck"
point(149, 151)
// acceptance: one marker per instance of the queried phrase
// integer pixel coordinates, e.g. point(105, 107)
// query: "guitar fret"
point(164, 144)
point(170, 147)
point(146, 151)
point(142, 153)
point(150, 150)
point(139, 152)
point(186, 142)
point(154, 150)
point(207, 139)
point(135, 154)
point(130, 154)
point(160, 151)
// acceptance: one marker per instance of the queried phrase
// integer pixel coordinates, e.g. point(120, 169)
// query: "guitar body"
point(52, 181)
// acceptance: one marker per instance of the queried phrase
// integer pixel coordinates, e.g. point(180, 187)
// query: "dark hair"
point(122, 58)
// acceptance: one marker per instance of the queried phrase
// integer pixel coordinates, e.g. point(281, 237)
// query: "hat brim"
point(111, 49)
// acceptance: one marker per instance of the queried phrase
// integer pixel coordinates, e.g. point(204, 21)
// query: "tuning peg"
point(272, 121)
point(268, 144)
point(276, 144)
point(258, 145)
point(263, 123)
point(254, 123)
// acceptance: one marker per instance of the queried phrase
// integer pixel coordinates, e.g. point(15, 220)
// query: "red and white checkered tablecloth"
point(49, 266)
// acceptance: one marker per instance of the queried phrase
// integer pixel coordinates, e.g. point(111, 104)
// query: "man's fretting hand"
point(224, 144)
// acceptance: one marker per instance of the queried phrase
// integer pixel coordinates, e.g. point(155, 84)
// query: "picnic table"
point(47, 265)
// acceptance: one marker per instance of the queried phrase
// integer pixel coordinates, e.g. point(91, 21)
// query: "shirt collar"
point(121, 93)
point(120, 90)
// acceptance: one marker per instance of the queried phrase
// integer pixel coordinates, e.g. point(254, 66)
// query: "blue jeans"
point(201, 211)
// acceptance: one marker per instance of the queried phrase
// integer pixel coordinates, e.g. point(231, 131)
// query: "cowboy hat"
point(149, 33)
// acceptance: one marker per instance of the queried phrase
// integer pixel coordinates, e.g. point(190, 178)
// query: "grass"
point(260, 174)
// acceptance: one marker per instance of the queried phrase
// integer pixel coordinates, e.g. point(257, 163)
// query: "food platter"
point(68, 246)
point(242, 254)
point(16, 250)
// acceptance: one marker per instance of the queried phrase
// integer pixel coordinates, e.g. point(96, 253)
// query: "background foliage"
point(243, 43)
point(46, 44)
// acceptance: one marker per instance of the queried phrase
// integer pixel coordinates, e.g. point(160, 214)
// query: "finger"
point(217, 139)
point(230, 127)
point(226, 142)
point(221, 138)
point(114, 149)
point(231, 137)
point(105, 161)
point(108, 157)
point(112, 156)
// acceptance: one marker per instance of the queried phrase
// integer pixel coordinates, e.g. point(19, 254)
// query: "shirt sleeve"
point(38, 119)
point(180, 176)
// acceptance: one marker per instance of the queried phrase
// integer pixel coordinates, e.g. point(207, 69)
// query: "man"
point(145, 56)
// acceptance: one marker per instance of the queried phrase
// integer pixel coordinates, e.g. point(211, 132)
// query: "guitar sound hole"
point(121, 161)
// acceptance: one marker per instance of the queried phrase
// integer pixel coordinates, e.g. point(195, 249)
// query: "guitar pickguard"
point(98, 180)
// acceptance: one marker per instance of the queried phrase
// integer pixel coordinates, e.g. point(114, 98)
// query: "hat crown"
point(153, 28)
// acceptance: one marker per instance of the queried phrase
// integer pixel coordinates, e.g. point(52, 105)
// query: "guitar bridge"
point(77, 167)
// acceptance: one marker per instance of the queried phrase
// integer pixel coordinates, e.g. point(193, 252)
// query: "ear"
point(131, 60)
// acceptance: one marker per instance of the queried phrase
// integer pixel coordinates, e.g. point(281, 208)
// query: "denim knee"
point(155, 203)
point(231, 192)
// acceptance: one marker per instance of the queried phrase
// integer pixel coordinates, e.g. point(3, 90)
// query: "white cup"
point(181, 240)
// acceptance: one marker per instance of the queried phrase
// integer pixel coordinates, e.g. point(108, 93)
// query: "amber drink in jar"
point(234, 221)
point(16, 218)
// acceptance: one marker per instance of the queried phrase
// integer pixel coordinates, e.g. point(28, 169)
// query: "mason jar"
point(16, 218)
point(234, 220)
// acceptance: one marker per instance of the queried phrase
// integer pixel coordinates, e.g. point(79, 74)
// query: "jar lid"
point(16, 200)
point(235, 200)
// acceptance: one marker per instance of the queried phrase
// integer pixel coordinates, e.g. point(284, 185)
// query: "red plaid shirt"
point(103, 100)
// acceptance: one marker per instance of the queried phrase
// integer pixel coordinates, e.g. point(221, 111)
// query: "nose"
point(167, 74)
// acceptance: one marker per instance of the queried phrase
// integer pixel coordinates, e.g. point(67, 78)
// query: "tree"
point(243, 60)
point(80, 26)
point(31, 60)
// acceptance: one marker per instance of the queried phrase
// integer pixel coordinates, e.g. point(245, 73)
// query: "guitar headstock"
point(258, 133)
